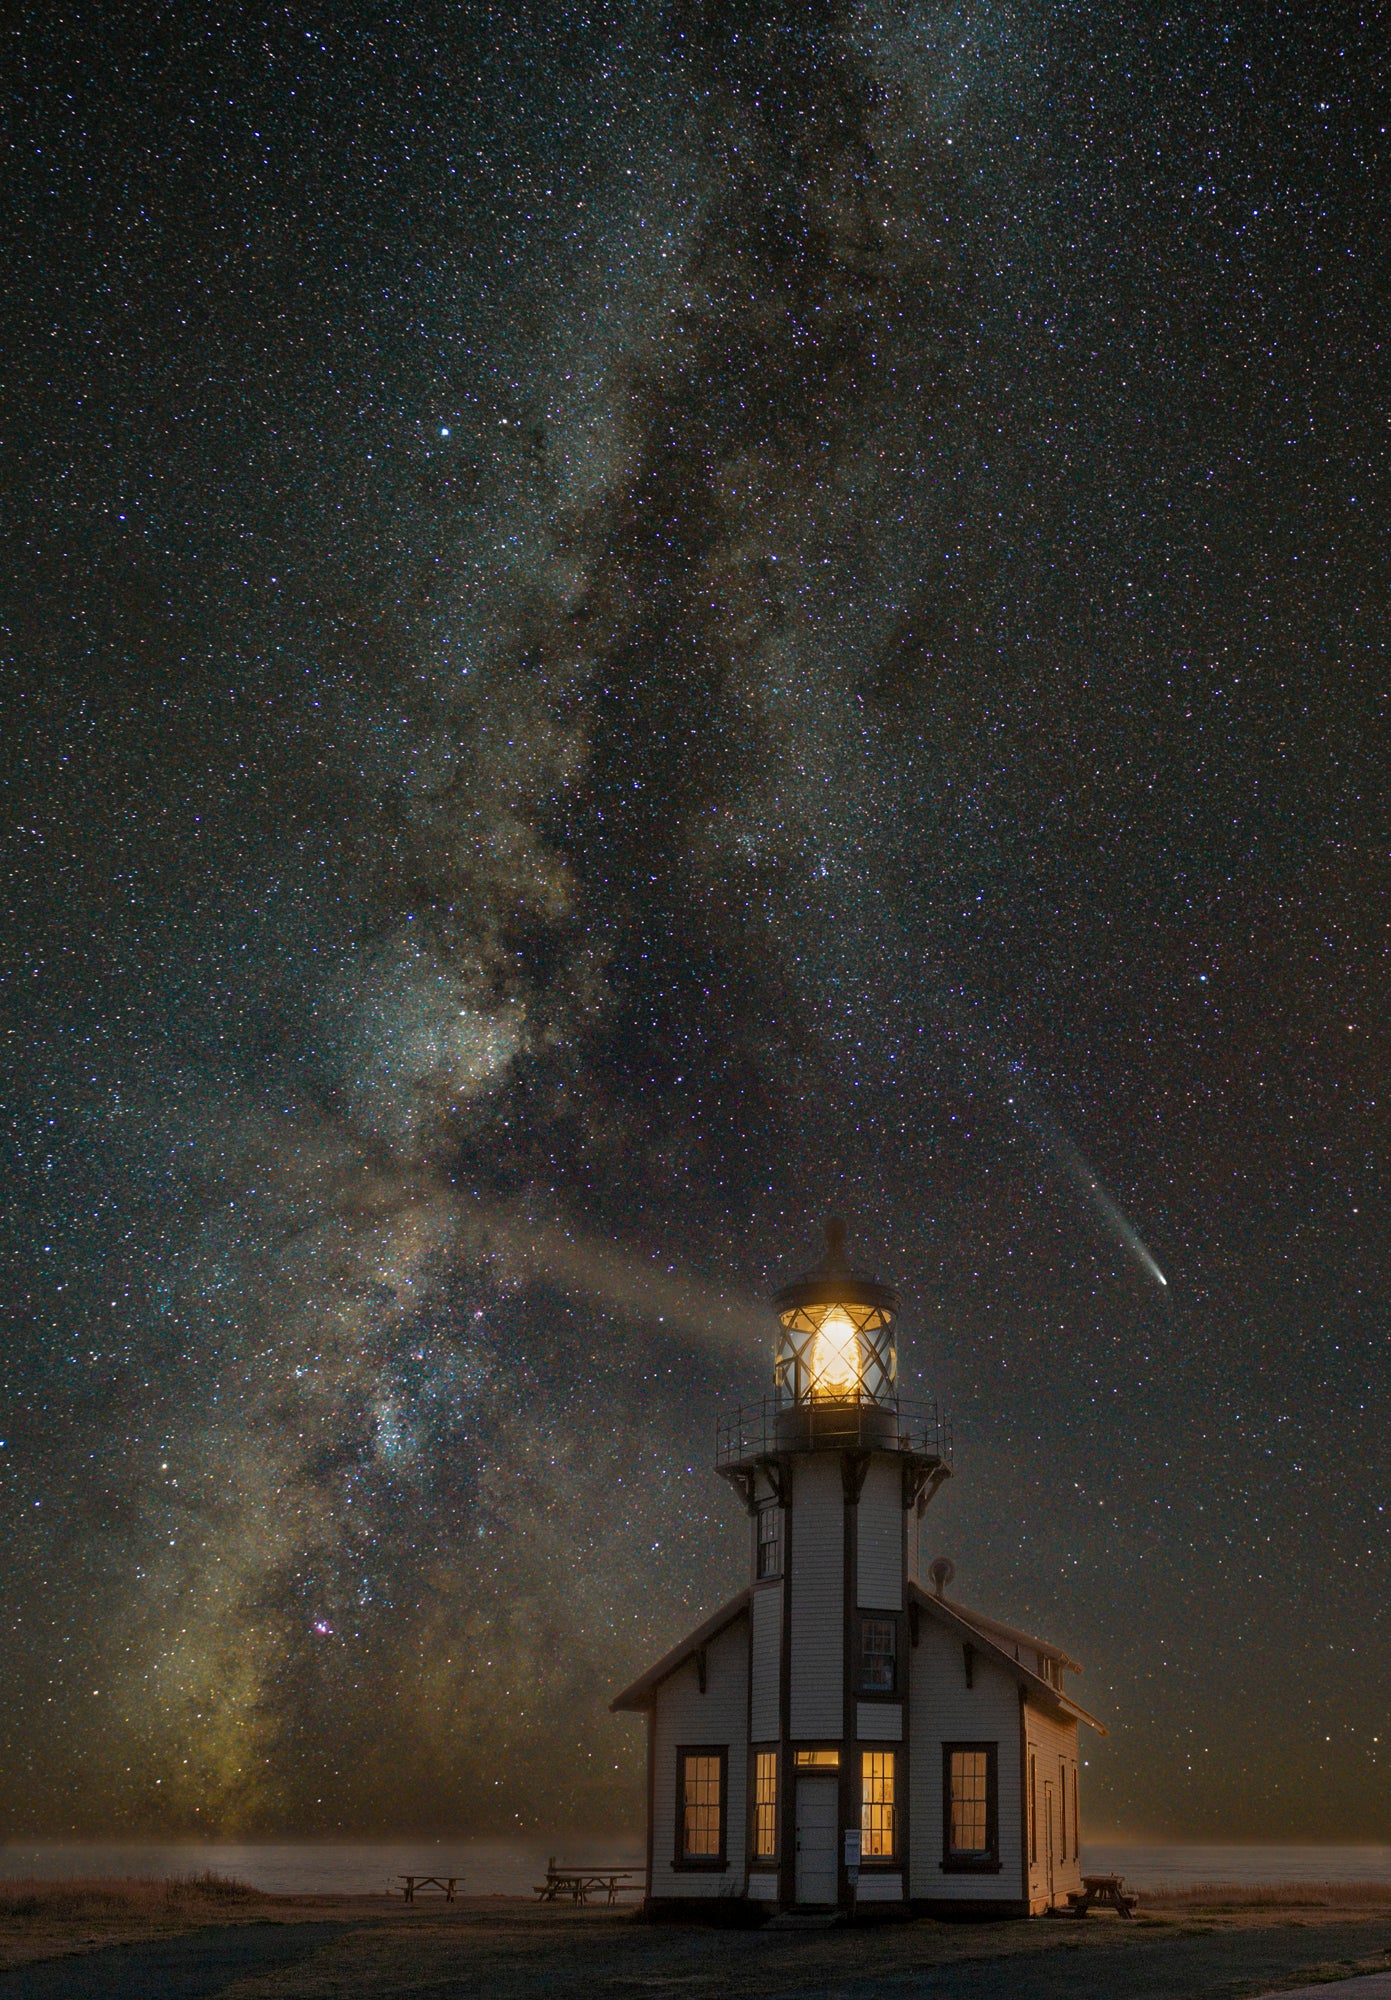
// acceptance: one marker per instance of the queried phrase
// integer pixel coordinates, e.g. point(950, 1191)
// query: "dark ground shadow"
point(1224, 1966)
point(191, 1967)
point(621, 1962)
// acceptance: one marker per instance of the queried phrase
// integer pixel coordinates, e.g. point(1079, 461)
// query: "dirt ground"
point(339, 1948)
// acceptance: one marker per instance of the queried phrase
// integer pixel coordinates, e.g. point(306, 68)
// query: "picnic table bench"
point(1104, 1890)
point(578, 1881)
point(439, 1885)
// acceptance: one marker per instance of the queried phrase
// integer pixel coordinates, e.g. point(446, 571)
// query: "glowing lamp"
point(837, 1359)
point(836, 1344)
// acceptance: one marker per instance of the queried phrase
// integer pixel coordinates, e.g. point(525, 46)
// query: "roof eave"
point(1044, 1693)
point(639, 1694)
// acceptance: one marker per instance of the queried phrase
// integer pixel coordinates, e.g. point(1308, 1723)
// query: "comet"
point(1033, 1114)
point(1079, 1170)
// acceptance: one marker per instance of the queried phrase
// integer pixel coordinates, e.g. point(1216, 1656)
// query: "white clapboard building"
point(839, 1735)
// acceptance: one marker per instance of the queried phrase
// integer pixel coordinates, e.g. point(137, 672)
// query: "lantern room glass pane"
point(839, 1352)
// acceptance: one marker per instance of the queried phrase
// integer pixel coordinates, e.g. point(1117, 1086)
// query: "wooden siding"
point(879, 1721)
point(763, 1888)
point(880, 1540)
point(766, 1664)
point(1052, 1741)
point(916, 1554)
point(877, 1888)
point(684, 1715)
point(817, 1583)
point(945, 1710)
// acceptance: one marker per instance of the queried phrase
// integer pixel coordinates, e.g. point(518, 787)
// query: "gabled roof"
point(639, 1695)
point(999, 1643)
point(1008, 1635)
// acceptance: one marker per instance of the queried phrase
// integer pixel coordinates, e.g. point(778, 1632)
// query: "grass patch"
point(1217, 1898)
point(126, 1896)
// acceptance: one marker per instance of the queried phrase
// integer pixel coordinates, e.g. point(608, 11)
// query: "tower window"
point(878, 1655)
point(765, 1804)
point(769, 1560)
point(969, 1806)
point(877, 1805)
point(701, 1805)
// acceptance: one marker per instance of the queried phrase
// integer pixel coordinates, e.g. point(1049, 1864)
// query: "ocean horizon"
point(511, 1867)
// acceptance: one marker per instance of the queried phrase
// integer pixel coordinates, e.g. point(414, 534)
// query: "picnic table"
point(440, 1885)
point(577, 1881)
point(1103, 1890)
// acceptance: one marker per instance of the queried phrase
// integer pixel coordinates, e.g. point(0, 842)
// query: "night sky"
point(623, 626)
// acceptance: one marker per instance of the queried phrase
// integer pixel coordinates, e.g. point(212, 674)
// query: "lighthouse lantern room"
point(839, 1736)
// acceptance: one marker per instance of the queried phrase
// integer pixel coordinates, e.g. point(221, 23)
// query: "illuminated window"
point(817, 1760)
point(878, 1655)
point(702, 1805)
point(769, 1541)
point(969, 1805)
point(876, 1805)
point(765, 1804)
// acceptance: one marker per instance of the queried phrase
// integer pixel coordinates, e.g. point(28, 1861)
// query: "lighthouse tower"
point(838, 1737)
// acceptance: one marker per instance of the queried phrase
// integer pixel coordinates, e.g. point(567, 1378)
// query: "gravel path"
point(1226, 1966)
point(1372, 1986)
point(191, 1967)
point(494, 1959)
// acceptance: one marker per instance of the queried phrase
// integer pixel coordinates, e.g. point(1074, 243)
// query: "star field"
point(624, 625)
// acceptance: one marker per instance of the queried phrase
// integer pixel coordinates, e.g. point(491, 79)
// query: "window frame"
point(775, 1542)
point(893, 1858)
point(973, 1861)
point(816, 1757)
point(695, 1864)
point(862, 1687)
point(760, 1858)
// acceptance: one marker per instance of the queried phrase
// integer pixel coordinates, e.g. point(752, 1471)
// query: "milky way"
point(614, 620)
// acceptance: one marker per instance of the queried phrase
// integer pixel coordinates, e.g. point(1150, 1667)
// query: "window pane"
point(817, 1760)
point(878, 1650)
point(876, 1804)
point(770, 1541)
point(700, 1820)
point(968, 1802)
point(765, 1804)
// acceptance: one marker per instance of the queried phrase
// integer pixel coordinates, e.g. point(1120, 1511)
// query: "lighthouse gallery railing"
point(753, 1430)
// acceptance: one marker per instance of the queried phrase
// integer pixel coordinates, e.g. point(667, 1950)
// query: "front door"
point(1049, 1806)
point(817, 1802)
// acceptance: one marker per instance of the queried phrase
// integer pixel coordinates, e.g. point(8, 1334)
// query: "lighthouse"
point(841, 1735)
